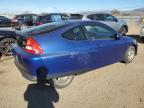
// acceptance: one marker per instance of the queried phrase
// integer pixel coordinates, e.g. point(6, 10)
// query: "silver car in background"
point(113, 22)
point(142, 33)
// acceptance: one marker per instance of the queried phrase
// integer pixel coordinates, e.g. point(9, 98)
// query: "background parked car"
point(50, 17)
point(5, 22)
point(118, 25)
point(7, 39)
point(23, 21)
point(0, 54)
point(60, 50)
point(142, 33)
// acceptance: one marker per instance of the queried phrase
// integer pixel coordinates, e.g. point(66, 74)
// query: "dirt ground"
point(115, 86)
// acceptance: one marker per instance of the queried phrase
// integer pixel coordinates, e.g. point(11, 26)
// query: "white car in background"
point(118, 25)
point(142, 33)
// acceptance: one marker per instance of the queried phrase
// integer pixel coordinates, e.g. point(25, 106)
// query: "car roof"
point(88, 13)
point(43, 14)
point(25, 14)
point(79, 21)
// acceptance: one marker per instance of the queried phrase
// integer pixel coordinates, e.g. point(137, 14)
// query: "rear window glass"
point(43, 18)
point(55, 17)
point(91, 17)
point(45, 28)
point(99, 17)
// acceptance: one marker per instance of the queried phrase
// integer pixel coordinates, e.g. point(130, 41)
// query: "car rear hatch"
point(30, 38)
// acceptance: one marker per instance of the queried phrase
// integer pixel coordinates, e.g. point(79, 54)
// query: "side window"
point(27, 17)
point(98, 32)
point(46, 18)
point(110, 18)
point(56, 18)
point(65, 17)
point(99, 17)
point(34, 17)
point(90, 17)
point(75, 34)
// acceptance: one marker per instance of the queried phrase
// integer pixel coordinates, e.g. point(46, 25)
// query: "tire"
point(123, 30)
point(130, 54)
point(0, 55)
point(142, 38)
point(5, 46)
point(62, 82)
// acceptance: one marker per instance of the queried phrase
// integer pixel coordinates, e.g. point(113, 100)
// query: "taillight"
point(33, 47)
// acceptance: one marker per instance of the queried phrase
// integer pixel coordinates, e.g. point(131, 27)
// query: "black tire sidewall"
point(142, 38)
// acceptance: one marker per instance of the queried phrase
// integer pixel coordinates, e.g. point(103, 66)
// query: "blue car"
point(60, 50)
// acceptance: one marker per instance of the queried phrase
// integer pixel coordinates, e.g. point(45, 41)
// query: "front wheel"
point(62, 82)
point(130, 54)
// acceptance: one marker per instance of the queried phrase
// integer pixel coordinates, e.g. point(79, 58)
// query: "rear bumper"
point(26, 63)
point(24, 72)
point(36, 67)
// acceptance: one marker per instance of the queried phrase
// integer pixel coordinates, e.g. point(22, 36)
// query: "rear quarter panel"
point(58, 53)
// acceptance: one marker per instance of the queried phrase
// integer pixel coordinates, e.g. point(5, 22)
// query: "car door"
point(80, 50)
point(111, 21)
point(105, 49)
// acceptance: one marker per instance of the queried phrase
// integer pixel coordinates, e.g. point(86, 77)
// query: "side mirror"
point(118, 36)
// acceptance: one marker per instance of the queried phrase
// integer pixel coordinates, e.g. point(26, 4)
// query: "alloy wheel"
point(6, 46)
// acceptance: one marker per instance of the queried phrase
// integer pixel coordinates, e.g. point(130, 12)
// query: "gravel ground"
point(114, 86)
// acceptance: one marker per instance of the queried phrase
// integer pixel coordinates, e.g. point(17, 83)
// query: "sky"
point(38, 6)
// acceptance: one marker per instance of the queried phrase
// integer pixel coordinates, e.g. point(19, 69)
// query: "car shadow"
point(41, 96)
point(137, 37)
